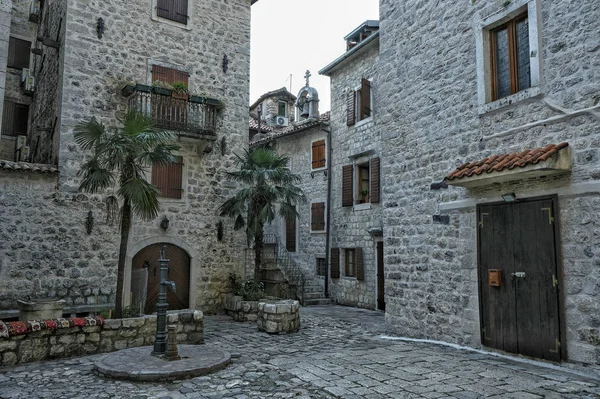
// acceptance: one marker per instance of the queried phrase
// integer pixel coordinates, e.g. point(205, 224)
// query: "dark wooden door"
point(179, 272)
point(380, 278)
point(521, 315)
point(290, 235)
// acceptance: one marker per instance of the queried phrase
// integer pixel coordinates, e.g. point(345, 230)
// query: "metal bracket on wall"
point(550, 217)
point(481, 219)
point(556, 346)
point(554, 281)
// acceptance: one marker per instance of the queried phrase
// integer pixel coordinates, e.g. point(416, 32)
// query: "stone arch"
point(176, 241)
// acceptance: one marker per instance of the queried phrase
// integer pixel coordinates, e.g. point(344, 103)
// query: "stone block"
point(129, 333)
point(9, 358)
point(133, 323)
point(172, 318)
point(93, 337)
point(112, 324)
point(7, 345)
point(198, 316)
point(120, 344)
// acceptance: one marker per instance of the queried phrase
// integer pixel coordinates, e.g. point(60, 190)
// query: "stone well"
point(279, 316)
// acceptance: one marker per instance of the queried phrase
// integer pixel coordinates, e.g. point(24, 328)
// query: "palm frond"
point(88, 134)
point(137, 123)
point(143, 197)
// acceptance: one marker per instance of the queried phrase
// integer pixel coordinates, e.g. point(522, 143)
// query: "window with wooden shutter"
point(18, 53)
point(509, 57)
point(347, 178)
point(360, 269)
point(363, 183)
point(321, 267)
point(15, 119)
point(318, 154)
point(374, 167)
point(169, 75)
point(335, 262)
point(364, 100)
point(350, 263)
point(350, 111)
point(168, 178)
point(317, 216)
point(174, 10)
point(290, 235)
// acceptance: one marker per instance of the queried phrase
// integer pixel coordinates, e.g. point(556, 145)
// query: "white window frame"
point(187, 26)
point(318, 201)
point(286, 108)
point(496, 17)
point(326, 154)
point(357, 105)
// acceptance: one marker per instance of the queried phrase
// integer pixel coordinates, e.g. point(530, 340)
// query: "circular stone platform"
point(137, 364)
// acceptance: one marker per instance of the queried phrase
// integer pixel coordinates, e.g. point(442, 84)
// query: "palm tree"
point(269, 190)
point(122, 157)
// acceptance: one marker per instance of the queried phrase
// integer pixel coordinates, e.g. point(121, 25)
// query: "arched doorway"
point(145, 277)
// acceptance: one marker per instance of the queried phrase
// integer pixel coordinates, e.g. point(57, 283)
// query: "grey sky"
point(291, 36)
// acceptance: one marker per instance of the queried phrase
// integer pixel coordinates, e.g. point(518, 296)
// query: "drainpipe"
point(328, 206)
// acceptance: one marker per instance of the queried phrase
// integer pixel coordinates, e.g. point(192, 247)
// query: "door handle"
point(519, 274)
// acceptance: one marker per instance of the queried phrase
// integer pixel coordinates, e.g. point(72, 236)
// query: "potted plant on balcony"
point(180, 90)
point(162, 88)
point(365, 196)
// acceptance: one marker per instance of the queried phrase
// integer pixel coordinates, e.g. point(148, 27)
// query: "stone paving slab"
point(338, 353)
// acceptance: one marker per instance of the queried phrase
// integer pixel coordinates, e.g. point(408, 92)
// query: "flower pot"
point(162, 91)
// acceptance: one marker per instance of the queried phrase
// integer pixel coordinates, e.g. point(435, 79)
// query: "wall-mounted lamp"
point(220, 231)
point(100, 27)
point(164, 224)
point(510, 197)
point(89, 222)
point(225, 64)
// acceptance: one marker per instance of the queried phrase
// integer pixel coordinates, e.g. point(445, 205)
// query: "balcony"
point(188, 116)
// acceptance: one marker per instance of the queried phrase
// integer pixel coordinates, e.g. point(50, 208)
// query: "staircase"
point(314, 293)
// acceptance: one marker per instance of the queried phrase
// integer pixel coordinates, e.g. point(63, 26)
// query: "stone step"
point(317, 302)
point(313, 295)
point(313, 288)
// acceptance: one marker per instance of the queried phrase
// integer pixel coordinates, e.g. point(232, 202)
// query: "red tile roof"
point(497, 163)
point(253, 124)
point(295, 127)
point(27, 167)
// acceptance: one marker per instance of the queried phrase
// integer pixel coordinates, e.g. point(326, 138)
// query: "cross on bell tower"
point(307, 76)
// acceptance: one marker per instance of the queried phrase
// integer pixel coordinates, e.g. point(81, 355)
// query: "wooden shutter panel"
point(313, 216)
point(374, 191)
point(18, 53)
point(290, 235)
point(180, 12)
point(365, 99)
point(163, 8)
point(335, 263)
point(169, 75)
point(15, 119)
point(347, 183)
point(358, 259)
point(167, 178)
point(350, 101)
point(317, 217)
point(318, 154)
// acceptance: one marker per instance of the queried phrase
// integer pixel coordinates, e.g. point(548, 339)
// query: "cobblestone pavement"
point(337, 353)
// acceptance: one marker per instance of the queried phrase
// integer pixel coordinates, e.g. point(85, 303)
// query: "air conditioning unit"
point(24, 75)
point(30, 85)
point(281, 121)
point(34, 11)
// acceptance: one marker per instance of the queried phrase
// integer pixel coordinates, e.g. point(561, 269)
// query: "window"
point(168, 178)
point(367, 188)
point(509, 57)
point(281, 108)
point(318, 154)
point(174, 10)
point(321, 267)
point(18, 53)
point(169, 75)
point(317, 216)
point(15, 119)
point(350, 269)
point(290, 235)
point(359, 103)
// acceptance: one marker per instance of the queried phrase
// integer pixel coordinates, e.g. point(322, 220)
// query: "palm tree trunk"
point(258, 250)
point(125, 227)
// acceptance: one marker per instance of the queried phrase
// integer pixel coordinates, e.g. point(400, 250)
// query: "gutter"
point(328, 201)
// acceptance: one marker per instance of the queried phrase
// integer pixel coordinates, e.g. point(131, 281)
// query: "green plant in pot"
point(365, 195)
point(162, 88)
point(180, 90)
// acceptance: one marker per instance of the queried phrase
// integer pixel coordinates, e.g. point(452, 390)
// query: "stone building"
point(101, 59)
point(489, 115)
point(337, 155)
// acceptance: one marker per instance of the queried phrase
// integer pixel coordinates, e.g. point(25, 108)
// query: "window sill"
point(349, 278)
point(319, 169)
point(173, 23)
point(363, 122)
point(362, 207)
point(318, 232)
point(510, 100)
point(164, 200)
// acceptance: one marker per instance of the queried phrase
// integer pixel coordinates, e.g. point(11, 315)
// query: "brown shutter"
point(169, 75)
point(358, 259)
point(15, 119)
point(317, 216)
point(313, 216)
point(347, 180)
point(167, 178)
point(374, 191)
point(335, 263)
point(350, 101)
point(290, 235)
point(318, 154)
point(365, 99)
point(18, 53)
point(180, 13)
point(164, 8)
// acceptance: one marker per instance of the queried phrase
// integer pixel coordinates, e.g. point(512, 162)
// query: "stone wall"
point(116, 334)
point(426, 91)
point(350, 225)
point(52, 255)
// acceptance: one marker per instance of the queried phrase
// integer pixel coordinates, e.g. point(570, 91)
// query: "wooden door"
point(380, 278)
point(179, 272)
point(521, 314)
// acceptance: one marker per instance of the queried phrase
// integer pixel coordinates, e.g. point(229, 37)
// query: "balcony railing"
point(194, 115)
